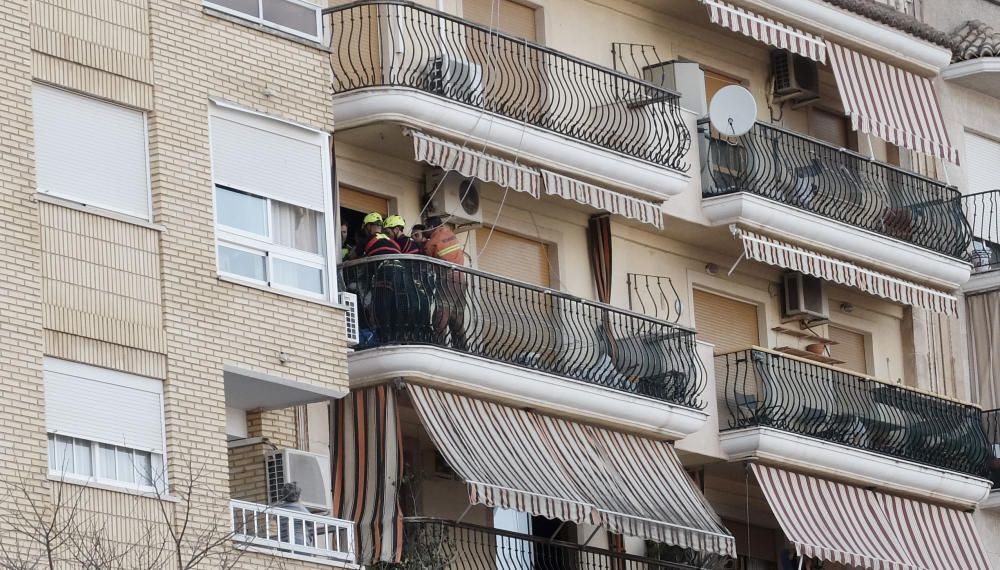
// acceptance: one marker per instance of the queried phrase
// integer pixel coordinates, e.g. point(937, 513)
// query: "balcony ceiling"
point(251, 390)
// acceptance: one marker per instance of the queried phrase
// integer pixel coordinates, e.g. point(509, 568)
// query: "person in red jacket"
point(395, 227)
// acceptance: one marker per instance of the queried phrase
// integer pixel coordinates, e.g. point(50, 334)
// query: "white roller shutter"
point(268, 158)
point(103, 405)
point(982, 155)
point(91, 152)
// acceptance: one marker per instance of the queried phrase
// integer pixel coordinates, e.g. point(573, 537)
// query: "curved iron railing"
point(835, 183)
point(983, 212)
point(419, 300)
point(991, 424)
point(379, 43)
point(434, 544)
point(766, 389)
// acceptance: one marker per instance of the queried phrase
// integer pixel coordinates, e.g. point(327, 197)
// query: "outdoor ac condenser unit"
point(311, 471)
point(454, 78)
point(796, 78)
point(454, 198)
point(350, 302)
point(804, 297)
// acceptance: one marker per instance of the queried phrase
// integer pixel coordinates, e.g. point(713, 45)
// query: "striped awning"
point(626, 206)
point(936, 537)
point(832, 521)
point(766, 30)
point(555, 468)
point(472, 163)
point(775, 252)
point(890, 103)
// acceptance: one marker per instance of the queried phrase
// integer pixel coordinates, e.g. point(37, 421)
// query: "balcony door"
point(729, 324)
point(512, 553)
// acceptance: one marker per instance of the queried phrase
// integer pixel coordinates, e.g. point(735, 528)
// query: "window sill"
point(50, 199)
point(92, 484)
point(266, 29)
point(280, 292)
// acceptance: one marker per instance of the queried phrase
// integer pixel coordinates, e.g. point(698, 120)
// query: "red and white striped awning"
point(472, 163)
point(890, 103)
point(775, 252)
point(627, 206)
point(936, 537)
point(766, 30)
point(555, 468)
point(832, 521)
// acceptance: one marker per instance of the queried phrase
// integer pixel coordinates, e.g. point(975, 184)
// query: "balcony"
point(815, 192)
point(295, 534)
point(816, 417)
point(991, 424)
point(473, 331)
point(446, 545)
point(983, 212)
point(402, 63)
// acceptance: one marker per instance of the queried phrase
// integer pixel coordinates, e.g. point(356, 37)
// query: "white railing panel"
point(304, 534)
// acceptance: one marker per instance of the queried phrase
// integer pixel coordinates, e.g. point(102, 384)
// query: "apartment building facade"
point(668, 345)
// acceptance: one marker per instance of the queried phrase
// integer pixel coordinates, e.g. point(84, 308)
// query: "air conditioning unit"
point(310, 471)
point(351, 329)
point(804, 297)
point(796, 78)
point(453, 198)
point(454, 78)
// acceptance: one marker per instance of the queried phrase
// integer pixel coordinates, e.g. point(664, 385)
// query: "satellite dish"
point(732, 111)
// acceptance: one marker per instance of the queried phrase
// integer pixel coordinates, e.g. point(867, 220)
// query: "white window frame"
point(238, 239)
point(264, 245)
point(157, 473)
point(267, 23)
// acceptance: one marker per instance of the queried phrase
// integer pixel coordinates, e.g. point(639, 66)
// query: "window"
point(850, 347)
point(729, 324)
point(506, 16)
point(272, 195)
point(513, 256)
point(832, 128)
point(982, 155)
point(103, 425)
point(298, 17)
point(715, 80)
point(91, 152)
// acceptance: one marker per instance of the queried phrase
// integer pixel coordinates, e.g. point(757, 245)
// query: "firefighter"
point(449, 297)
point(375, 242)
point(394, 226)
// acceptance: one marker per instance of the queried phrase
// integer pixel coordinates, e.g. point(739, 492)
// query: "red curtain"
point(599, 252)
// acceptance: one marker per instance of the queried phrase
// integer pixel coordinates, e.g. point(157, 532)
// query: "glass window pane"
point(299, 228)
point(83, 458)
point(241, 211)
point(303, 277)
point(106, 468)
point(242, 263)
point(143, 468)
point(248, 7)
point(290, 15)
point(63, 454)
point(126, 466)
point(53, 462)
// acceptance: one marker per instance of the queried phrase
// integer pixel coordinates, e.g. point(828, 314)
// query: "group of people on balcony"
point(407, 302)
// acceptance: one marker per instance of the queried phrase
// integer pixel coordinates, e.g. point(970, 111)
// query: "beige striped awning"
point(870, 529)
point(602, 199)
point(890, 103)
point(832, 521)
point(775, 252)
point(472, 163)
point(551, 467)
point(766, 30)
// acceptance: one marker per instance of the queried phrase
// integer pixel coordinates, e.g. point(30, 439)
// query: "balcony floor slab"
point(524, 388)
point(855, 466)
point(837, 238)
point(476, 128)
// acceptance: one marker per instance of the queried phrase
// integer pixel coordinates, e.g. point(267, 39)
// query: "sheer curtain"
point(297, 227)
point(983, 313)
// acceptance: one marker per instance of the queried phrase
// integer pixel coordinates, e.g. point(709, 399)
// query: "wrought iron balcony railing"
point(418, 300)
point(386, 43)
point(445, 545)
point(838, 184)
point(983, 212)
point(766, 389)
point(991, 424)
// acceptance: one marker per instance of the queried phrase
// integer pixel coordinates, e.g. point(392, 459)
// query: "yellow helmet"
point(373, 218)
point(394, 221)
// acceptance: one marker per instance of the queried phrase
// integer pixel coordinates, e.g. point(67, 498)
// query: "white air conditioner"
point(796, 78)
point(453, 198)
point(311, 471)
point(350, 302)
point(458, 79)
point(804, 297)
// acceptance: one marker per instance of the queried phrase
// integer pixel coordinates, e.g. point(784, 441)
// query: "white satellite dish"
point(733, 110)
